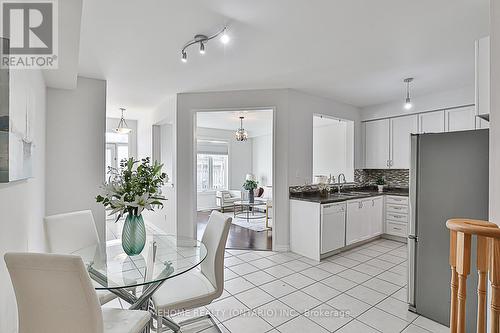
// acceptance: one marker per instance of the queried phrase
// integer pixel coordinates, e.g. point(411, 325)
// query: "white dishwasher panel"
point(332, 226)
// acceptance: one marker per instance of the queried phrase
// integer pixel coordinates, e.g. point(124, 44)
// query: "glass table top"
point(163, 257)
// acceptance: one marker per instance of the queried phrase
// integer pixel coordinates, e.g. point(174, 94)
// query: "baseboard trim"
point(281, 248)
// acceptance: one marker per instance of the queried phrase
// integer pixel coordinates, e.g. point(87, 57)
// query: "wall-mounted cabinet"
point(401, 129)
point(387, 142)
point(483, 77)
point(377, 144)
point(460, 119)
point(431, 122)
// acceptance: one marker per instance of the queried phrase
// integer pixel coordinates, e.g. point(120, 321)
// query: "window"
point(212, 172)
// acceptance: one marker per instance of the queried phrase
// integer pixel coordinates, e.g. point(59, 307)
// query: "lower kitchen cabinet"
point(396, 216)
point(364, 219)
point(318, 230)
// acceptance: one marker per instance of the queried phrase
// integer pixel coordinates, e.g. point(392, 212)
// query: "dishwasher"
point(333, 217)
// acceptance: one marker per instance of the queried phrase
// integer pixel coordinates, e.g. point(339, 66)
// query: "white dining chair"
point(197, 287)
point(54, 294)
point(70, 232)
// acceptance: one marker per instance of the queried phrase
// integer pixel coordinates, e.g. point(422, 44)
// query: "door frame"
point(273, 171)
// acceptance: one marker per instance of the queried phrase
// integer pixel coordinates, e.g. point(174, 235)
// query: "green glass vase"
point(133, 235)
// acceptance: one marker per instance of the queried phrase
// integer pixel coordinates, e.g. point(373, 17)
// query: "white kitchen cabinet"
point(332, 226)
point(354, 224)
point(396, 216)
point(460, 119)
point(377, 154)
point(401, 129)
point(431, 122)
point(305, 227)
point(483, 76)
point(377, 216)
point(364, 219)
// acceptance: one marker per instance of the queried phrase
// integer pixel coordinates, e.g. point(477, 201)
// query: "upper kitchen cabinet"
point(431, 122)
point(483, 77)
point(377, 136)
point(460, 119)
point(401, 129)
point(387, 142)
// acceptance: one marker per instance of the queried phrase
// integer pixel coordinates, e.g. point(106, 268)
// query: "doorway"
point(235, 148)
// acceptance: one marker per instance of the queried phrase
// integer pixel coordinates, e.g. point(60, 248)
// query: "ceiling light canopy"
point(202, 40)
point(408, 105)
point(241, 133)
point(122, 125)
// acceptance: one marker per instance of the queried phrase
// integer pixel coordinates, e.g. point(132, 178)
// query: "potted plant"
point(380, 183)
point(250, 185)
point(131, 188)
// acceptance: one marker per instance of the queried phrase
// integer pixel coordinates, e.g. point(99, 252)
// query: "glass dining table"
point(163, 257)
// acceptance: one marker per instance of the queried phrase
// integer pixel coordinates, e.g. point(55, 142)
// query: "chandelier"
point(241, 133)
point(122, 125)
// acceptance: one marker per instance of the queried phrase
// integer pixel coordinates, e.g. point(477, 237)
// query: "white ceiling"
point(356, 51)
point(256, 123)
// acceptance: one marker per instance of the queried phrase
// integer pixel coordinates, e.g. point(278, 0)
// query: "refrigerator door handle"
point(412, 249)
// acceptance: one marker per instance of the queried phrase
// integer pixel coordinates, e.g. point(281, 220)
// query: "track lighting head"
point(203, 39)
point(224, 38)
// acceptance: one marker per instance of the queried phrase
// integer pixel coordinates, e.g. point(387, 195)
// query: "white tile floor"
point(360, 290)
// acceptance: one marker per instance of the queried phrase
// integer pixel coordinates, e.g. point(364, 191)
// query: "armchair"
point(226, 198)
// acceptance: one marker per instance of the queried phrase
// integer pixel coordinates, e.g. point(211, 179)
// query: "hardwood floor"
point(239, 238)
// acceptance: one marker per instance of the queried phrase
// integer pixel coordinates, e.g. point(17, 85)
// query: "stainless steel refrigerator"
point(448, 179)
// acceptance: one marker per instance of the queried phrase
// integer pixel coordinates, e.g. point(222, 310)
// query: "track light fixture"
point(202, 40)
point(408, 105)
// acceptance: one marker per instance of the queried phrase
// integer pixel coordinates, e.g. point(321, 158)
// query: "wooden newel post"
point(454, 281)
point(463, 270)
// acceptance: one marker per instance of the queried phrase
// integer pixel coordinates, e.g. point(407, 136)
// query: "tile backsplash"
point(393, 177)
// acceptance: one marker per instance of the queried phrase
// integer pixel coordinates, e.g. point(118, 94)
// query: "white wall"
point(76, 123)
point(495, 113)
point(262, 159)
point(292, 145)
point(22, 203)
point(437, 101)
point(164, 117)
point(239, 162)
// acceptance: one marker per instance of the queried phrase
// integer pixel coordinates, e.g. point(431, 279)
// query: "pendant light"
point(241, 133)
point(408, 105)
point(122, 125)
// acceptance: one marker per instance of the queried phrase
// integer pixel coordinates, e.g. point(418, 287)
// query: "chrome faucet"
point(341, 181)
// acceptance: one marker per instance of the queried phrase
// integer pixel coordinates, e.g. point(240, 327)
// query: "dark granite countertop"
point(347, 194)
